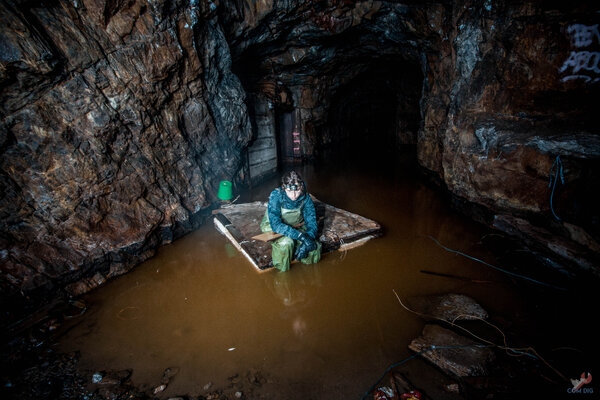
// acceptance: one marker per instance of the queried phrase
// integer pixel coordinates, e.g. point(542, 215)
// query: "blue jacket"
point(278, 200)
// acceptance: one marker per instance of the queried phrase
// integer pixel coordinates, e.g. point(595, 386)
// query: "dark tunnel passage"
point(375, 114)
point(353, 96)
point(368, 109)
point(450, 148)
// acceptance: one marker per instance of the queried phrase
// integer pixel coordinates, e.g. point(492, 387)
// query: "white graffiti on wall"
point(582, 64)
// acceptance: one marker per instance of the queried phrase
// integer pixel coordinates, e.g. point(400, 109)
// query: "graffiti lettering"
point(582, 60)
point(583, 35)
point(582, 64)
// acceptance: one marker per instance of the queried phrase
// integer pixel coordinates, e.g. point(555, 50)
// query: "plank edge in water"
point(221, 228)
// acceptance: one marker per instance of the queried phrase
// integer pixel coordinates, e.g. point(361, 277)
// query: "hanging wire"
point(497, 268)
point(519, 351)
point(524, 351)
point(553, 179)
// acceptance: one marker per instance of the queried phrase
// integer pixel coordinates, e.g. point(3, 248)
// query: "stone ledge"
point(465, 358)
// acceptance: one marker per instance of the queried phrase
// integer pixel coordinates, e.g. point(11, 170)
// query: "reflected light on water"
point(321, 330)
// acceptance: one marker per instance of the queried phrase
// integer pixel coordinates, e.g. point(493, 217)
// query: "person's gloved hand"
point(308, 241)
point(301, 252)
point(306, 246)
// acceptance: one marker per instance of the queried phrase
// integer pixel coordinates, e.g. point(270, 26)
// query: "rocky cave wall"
point(120, 117)
point(508, 96)
point(509, 121)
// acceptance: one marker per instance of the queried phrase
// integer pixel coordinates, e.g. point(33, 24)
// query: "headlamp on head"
point(292, 182)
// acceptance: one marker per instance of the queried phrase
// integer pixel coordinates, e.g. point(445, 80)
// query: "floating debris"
point(412, 395)
point(159, 388)
point(453, 353)
point(383, 393)
point(97, 377)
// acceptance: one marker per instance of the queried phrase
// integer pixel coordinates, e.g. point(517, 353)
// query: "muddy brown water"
point(321, 331)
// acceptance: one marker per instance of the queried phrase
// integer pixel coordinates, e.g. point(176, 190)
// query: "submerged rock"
point(453, 353)
point(448, 307)
point(168, 374)
point(578, 248)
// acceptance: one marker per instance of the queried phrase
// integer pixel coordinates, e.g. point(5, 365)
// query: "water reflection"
point(320, 330)
point(296, 292)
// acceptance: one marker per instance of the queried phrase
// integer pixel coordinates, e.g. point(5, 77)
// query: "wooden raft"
point(338, 230)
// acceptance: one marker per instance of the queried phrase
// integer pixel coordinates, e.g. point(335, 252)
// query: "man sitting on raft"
point(291, 213)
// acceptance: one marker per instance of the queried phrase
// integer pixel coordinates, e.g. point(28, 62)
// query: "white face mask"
point(293, 194)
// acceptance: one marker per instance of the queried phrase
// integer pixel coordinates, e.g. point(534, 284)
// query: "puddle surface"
point(323, 331)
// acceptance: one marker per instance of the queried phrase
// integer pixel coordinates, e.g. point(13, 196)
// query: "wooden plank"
point(338, 229)
point(270, 236)
point(267, 236)
point(223, 229)
point(356, 243)
point(236, 235)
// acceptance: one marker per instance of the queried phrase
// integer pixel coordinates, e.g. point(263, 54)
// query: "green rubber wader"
point(282, 249)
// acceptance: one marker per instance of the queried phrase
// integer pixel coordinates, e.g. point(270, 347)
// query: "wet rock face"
point(515, 106)
point(118, 121)
point(519, 133)
point(506, 92)
point(346, 64)
point(449, 307)
point(119, 118)
point(454, 354)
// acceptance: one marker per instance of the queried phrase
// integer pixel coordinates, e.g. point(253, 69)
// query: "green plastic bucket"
point(224, 191)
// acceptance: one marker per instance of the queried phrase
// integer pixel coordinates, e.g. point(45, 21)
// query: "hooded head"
point(293, 185)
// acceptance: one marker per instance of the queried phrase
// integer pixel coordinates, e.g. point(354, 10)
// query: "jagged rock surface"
point(449, 307)
point(118, 121)
point(119, 118)
point(506, 90)
point(454, 354)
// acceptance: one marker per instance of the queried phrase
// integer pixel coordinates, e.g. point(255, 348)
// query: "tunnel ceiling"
point(358, 66)
point(320, 41)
